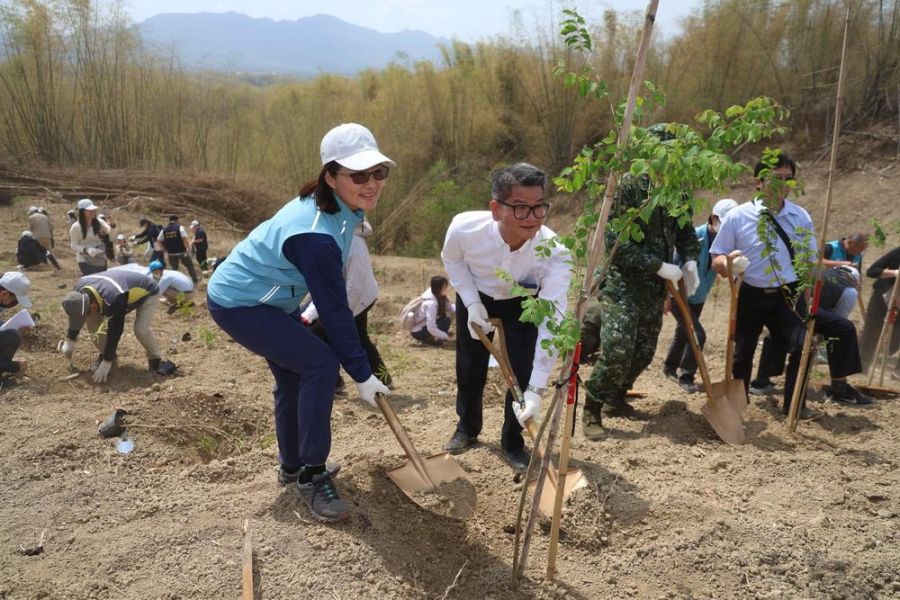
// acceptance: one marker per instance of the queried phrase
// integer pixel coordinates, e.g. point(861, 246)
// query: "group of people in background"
point(113, 281)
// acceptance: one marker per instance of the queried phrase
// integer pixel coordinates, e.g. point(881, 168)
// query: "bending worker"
point(255, 295)
point(101, 302)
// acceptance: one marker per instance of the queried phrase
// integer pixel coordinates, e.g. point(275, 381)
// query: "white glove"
point(739, 264)
point(371, 386)
point(479, 316)
point(669, 271)
point(67, 347)
point(131, 238)
point(94, 252)
point(532, 407)
point(102, 371)
point(691, 278)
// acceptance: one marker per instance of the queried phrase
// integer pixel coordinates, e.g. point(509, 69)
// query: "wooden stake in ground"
point(248, 563)
point(884, 338)
point(800, 386)
point(595, 258)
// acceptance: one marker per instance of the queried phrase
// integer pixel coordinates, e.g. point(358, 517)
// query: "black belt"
point(788, 288)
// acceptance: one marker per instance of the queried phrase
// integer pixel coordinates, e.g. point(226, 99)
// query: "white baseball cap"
point(86, 204)
point(18, 285)
point(722, 207)
point(27, 233)
point(195, 223)
point(121, 237)
point(353, 146)
point(33, 209)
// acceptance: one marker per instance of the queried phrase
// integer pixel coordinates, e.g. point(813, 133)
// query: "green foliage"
point(208, 337)
point(435, 210)
point(184, 307)
point(674, 160)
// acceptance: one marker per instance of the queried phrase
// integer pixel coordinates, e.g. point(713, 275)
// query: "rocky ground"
point(669, 512)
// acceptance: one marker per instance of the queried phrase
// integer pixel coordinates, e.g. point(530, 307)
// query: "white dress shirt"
point(473, 253)
point(739, 232)
point(426, 315)
point(362, 289)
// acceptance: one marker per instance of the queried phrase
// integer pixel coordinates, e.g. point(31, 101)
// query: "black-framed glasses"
point(521, 211)
point(361, 177)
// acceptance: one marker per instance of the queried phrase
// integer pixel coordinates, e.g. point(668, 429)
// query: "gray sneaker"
point(322, 498)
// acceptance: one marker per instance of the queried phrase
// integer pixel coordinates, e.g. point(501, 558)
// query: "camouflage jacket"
point(636, 263)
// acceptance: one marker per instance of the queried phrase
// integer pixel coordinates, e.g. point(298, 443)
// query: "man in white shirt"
point(771, 280)
point(477, 245)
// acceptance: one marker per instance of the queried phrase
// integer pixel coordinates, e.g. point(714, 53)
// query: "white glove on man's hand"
point(370, 387)
point(669, 271)
point(67, 347)
point(691, 278)
point(102, 371)
point(739, 264)
point(478, 315)
point(531, 409)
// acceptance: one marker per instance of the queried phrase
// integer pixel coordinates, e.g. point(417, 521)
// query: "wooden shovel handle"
point(734, 286)
point(692, 338)
point(400, 433)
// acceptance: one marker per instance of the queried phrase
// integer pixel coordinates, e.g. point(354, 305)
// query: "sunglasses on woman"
point(361, 177)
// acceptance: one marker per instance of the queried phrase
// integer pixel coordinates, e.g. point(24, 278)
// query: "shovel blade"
point(736, 395)
point(440, 469)
point(722, 417)
point(575, 479)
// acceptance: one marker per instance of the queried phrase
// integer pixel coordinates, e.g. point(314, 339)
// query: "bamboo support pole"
point(800, 386)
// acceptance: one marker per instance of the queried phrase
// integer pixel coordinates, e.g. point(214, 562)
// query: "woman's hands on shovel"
point(369, 388)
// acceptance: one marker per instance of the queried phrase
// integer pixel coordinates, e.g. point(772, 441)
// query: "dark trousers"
point(10, 340)
point(158, 255)
point(472, 366)
point(443, 323)
point(680, 354)
point(174, 259)
point(200, 250)
point(875, 312)
point(362, 329)
point(305, 369)
point(87, 269)
point(758, 308)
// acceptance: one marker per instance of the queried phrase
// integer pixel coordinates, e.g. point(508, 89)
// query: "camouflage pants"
point(629, 329)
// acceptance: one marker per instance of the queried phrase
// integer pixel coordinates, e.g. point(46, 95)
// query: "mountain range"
point(309, 46)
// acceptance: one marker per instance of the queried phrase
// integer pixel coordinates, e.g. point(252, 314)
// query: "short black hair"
point(144, 222)
point(783, 161)
point(173, 218)
point(521, 174)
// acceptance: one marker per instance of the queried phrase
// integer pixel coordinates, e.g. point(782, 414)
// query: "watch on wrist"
point(536, 390)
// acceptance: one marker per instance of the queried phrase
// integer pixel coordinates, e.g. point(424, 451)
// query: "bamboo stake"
point(800, 386)
point(248, 563)
point(596, 256)
point(890, 318)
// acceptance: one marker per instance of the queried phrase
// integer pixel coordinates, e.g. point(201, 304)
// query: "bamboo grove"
point(79, 88)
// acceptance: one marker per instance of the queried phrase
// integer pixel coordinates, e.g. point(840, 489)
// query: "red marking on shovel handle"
point(817, 294)
point(573, 374)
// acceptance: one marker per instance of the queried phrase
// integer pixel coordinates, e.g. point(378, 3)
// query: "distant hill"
point(305, 47)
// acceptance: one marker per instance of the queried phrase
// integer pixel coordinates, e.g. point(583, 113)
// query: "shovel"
point(574, 478)
point(732, 389)
point(421, 478)
point(724, 420)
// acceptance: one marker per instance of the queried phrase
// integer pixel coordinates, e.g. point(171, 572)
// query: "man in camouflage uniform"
point(631, 301)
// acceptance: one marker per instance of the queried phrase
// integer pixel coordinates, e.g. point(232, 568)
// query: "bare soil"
point(670, 511)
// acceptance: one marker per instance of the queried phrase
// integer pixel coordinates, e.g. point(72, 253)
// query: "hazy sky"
point(465, 19)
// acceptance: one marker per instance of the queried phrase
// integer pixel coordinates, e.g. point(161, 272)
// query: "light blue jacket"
point(257, 272)
point(707, 275)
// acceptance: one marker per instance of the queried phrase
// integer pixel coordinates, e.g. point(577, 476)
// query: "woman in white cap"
point(255, 297)
point(86, 237)
point(14, 288)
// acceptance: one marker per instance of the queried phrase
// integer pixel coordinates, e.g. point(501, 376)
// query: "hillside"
point(671, 512)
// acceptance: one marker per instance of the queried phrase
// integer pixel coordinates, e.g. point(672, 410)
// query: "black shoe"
point(517, 459)
point(762, 387)
point(670, 374)
point(153, 364)
point(848, 395)
point(459, 442)
point(688, 386)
